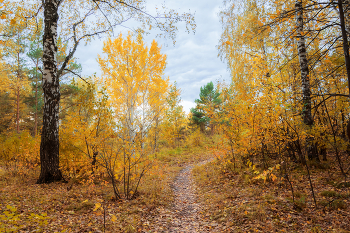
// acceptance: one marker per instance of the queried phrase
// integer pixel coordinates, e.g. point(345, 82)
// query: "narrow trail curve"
point(185, 214)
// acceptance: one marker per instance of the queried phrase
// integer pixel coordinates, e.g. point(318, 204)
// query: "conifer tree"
point(207, 104)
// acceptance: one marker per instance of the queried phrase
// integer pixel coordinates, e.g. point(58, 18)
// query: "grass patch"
point(329, 194)
point(333, 194)
point(270, 199)
point(343, 185)
point(334, 204)
point(82, 207)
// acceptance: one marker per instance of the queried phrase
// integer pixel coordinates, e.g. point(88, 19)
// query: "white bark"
point(305, 79)
point(49, 147)
point(304, 68)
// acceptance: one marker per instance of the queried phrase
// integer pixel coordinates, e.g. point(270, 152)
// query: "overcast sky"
point(192, 62)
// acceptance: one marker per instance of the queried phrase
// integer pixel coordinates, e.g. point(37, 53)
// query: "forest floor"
point(184, 215)
point(69, 207)
point(239, 203)
point(194, 194)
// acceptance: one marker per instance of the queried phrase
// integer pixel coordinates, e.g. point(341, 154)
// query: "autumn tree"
point(5, 108)
point(305, 77)
point(175, 119)
point(15, 48)
point(35, 55)
point(133, 74)
point(88, 122)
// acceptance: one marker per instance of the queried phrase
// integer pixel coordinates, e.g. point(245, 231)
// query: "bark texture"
point(49, 147)
point(305, 78)
point(345, 37)
point(346, 8)
point(344, 16)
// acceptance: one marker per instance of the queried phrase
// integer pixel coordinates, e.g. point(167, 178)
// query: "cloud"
point(187, 105)
point(192, 62)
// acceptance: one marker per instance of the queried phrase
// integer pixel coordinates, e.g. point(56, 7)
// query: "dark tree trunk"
point(291, 152)
point(299, 151)
point(94, 161)
point(344, 27)
point(156, 135)
point(323, 153)
point(345, 40)
point(49, 147)
point(346, 9)
point(305, 79)
point(36, 100)
point(17, 110)
point(18, 92)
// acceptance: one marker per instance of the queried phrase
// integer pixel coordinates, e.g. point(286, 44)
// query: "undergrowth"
point(70, 206)
point(242, 203)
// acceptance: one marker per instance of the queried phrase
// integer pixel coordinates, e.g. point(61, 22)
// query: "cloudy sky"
point(192, 62)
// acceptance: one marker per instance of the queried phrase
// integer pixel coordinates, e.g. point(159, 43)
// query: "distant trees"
point(174, 123)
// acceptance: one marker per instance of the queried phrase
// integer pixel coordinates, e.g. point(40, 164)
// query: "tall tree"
point(49, 147)
point(35, 54)
point(15, 47)
point(305, 77)
point(344, 27)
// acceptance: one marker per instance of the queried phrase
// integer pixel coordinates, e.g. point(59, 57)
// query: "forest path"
point(184, 216)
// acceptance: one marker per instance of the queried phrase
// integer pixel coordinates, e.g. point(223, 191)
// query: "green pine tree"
point(207, 104)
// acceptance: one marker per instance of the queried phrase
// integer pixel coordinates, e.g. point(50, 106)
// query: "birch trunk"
point(49, 147)
point(305, 78)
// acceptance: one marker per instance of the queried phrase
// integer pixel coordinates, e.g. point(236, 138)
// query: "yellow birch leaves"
point(132, 73)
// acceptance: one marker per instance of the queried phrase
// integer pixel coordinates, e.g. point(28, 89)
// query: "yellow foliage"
point(19, 152)
point(261, 117)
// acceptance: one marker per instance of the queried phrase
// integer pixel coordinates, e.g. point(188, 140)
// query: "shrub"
point(19, 153)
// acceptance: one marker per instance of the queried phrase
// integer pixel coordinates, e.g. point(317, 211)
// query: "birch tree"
point(305, 77)
point(133, 74)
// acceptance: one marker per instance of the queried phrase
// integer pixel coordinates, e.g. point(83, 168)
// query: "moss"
point(343, 185)
point(269, 199)
point(334, 205)
point(330, 193)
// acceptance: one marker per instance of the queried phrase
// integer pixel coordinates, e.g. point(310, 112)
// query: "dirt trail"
point(185, 215)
